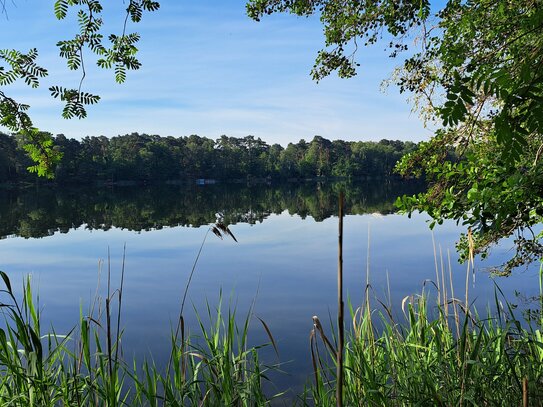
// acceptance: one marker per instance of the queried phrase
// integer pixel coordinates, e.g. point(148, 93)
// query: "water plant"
point(215, 368)
point(33, 371)
point(84, 367)
point(434, 353)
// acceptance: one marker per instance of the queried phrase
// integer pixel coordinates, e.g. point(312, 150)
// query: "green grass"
point(218, 370)
point(436, 353)
point(83, 368)
point(439, 361)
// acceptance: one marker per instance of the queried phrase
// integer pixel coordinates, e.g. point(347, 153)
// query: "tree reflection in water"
point(44, 211)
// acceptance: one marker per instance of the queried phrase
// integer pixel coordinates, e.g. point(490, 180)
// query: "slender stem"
point(108, 317)
point(541, 293)
point(436, 268)
point(118, 339)
point(341, 332)
point(180, 321)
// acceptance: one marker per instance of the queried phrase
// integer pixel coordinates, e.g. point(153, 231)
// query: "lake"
point(284, 260)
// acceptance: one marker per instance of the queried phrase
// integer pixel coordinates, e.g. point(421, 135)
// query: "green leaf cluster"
point(15, 65)
point(119, 54)
point(75, 101)
point(349, 24)
point(489, 99)
point(39, 147)
point(21, 66)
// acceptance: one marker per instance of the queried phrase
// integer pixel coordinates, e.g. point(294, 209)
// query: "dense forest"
point(146, 158)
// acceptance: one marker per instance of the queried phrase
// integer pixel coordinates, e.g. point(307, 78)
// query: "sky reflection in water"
point(286, 264)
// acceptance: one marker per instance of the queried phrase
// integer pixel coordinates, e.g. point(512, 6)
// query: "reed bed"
point(438, 351)
point(84, 367)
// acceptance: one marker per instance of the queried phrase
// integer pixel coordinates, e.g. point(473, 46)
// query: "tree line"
point(144, 158)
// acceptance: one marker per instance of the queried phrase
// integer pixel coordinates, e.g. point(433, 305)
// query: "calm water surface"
point(285, 259)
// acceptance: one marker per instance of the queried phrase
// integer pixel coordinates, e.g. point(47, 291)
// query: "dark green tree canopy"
point(151, 159)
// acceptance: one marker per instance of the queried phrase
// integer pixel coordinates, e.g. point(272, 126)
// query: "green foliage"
point(31, 362)
point(13, 115)
point(149, 158)
point(440, 355)
point(75, 101)
point(478, 73)
point(490, 74)
point(119, 55)
point(348, 23)
point(443, 355)
point(39, 147)
point(84, 367)
point(23, 66)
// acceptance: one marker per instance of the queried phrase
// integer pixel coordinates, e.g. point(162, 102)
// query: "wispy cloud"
point(208, 69)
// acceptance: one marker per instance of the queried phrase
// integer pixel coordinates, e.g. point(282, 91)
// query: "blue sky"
point(210, 70)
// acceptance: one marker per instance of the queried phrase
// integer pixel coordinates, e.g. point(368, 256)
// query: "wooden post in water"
point(340, 309)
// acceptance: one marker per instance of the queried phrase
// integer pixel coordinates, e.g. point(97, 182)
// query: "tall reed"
point(216, 368)
point(438, 353)
point(85, 367)
point(35, 369)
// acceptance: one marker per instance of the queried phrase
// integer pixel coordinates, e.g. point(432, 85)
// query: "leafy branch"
point(14, 115)
point(119, 55)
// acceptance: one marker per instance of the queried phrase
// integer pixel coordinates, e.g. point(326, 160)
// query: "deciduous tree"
point(478, 73)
